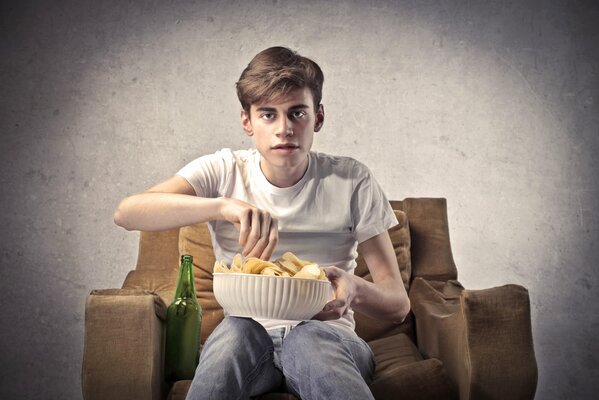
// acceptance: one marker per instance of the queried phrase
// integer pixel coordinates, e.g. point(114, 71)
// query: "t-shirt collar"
point(264, 184)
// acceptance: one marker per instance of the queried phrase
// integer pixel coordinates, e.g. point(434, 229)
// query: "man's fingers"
point(337, 307)
point(331, 272)
point(244, 227)
point(254, 234)
point(273, 240)
point(334, 309)
point(333, 304)
point(262, 241)
point(265, 225)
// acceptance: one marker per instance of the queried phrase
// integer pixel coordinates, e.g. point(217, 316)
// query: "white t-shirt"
point(322, 218)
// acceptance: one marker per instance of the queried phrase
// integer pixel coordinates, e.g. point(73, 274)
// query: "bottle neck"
point(185, 284)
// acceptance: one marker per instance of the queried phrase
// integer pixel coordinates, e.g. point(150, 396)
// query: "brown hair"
point(275, 72)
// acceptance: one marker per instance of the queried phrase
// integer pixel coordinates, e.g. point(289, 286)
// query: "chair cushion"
point(393, 351)
point(402, 373)
point(179, 390)
point(421, 380)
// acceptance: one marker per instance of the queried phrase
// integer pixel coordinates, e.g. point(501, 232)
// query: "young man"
point(281, 197)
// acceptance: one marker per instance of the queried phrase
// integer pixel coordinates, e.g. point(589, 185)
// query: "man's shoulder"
point(242, 154)
point(339, 164)
point(222, 161)
point(230, 157)
point(333, 160)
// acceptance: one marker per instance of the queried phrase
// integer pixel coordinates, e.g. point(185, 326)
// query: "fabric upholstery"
point(429, 229)
point(123, 344)
point(392, 351)
point(163, 283)
point(401, 371)
point(422, 380)
point(179, 390)
point(483, 337)
point(158, 250)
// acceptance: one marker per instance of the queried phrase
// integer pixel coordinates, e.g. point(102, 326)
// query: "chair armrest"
point(123, 345)
point(483, 337)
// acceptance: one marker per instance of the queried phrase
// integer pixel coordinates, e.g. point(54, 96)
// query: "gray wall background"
point(493, 105)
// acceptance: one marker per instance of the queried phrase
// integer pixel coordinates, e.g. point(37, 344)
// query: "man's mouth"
point(285, 146)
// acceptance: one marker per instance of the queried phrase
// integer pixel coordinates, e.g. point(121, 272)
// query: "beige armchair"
point(456, 343)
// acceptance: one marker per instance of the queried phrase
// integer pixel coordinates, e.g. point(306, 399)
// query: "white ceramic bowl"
point(277, 297)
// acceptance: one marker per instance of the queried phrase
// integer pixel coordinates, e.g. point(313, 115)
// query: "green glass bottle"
point(183, 322)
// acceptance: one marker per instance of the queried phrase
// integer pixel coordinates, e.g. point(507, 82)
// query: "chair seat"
point(393, 351)
point(402, 373)
point(179, 390)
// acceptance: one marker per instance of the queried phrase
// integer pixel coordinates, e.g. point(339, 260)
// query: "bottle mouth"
point(186, 258)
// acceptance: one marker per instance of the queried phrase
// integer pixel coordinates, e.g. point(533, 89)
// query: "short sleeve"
point(371, 212)
point(208, 174)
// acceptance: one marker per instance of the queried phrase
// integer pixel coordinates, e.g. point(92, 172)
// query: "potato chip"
point(288, 265)
point(220, 266)
point(236, 269)
point(237, 262)
point(323, 275)
point(291, 259)
point(249, 264)
point(310, 271)
point(271, 271)
point(256, 265)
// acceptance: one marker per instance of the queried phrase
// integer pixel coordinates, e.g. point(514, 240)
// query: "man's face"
point(283, 132)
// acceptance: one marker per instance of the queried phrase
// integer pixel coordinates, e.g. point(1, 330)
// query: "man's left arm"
point(384, 298)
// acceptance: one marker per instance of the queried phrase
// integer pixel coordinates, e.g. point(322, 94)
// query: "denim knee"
point(239, 333)
point(308, 333)
point(324, 361)
point(312, 341)
point(236, 362)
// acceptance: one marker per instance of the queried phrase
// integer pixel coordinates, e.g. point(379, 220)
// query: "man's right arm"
point(173, 203)
point(170, 204)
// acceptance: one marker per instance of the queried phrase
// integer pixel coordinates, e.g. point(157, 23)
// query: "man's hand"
point(345, 291)
point(385, 298)
point(258, 230)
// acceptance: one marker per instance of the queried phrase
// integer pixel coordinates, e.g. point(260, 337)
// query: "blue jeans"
point(314, 360)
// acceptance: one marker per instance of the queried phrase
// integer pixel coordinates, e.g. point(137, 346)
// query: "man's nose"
point(285, 127)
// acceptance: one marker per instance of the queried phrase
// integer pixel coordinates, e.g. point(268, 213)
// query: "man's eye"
point(268, 115)
point(298, 114)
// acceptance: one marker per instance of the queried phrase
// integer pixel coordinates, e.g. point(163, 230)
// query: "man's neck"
point(284, 177)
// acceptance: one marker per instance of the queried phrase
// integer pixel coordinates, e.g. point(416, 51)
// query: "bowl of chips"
point(287, 288)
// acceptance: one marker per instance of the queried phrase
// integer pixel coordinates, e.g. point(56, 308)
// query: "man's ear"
point(319, 118)
point(246, 123)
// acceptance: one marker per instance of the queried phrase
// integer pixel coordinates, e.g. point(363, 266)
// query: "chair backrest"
point(158, 250)
point(430, 249)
